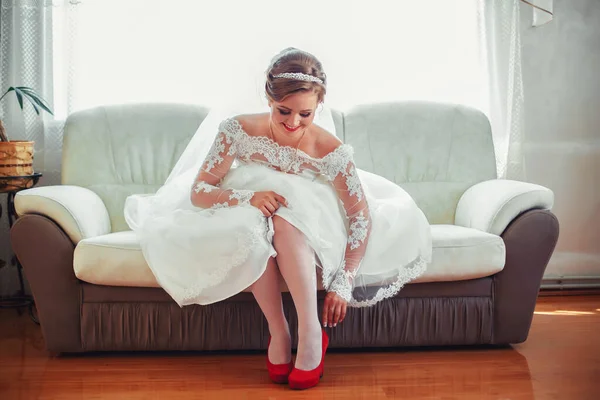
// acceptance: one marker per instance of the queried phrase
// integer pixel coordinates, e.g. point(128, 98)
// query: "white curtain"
point(500, 36)
point(26, 43)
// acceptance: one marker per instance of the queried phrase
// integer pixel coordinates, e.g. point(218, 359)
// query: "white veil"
point(175, 193)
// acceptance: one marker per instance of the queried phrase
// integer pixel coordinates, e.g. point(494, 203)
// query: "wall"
point(561, 80)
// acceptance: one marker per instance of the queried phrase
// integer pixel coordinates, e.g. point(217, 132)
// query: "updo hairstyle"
point(294, 60)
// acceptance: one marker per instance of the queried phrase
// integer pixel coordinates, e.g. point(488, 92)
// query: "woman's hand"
point(334, 309)
point(267, 202)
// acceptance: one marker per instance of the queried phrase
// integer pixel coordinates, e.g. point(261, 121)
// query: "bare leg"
point(268, 296)
point(296, 262)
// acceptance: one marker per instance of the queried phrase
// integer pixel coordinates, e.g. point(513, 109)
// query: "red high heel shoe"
point(278, 372)
point(300, 379)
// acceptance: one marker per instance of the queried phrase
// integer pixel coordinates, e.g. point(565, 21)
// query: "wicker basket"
point(16, 159)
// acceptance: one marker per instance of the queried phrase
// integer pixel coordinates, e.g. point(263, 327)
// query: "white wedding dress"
point(368, 235)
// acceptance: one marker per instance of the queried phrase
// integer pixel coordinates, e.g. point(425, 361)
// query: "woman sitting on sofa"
point(279, 194)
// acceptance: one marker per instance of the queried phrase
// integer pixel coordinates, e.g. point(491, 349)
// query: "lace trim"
point(246, 242)
point(406, 274)
point(285, 158)
point(216, 206)
point(214, 154)
point(359, 230)
point(353, 182)
point(343, 283)
point(228, 134)
point(337, 162)
point(203, 186)
point(242, 196)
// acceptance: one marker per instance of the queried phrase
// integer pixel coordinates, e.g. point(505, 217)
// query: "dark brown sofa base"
point(77, 316)
point(119, 318)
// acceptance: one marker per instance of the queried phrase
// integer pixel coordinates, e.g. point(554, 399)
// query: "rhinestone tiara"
point(299, 76)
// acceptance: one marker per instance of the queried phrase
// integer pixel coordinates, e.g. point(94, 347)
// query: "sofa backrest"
point(434, 151)
point(121, 150)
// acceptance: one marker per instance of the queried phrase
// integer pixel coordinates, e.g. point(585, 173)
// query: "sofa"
point(492, 238)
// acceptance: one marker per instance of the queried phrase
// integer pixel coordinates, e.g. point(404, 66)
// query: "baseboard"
point(569, 292)
point(573, 282)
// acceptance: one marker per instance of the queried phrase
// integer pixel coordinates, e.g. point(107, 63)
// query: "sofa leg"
point(46, 254)
point(530, 240)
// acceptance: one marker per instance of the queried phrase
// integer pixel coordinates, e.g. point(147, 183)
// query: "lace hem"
point(245, 243)
point(405, 274)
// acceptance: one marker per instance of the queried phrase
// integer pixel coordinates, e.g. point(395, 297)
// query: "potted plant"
point(16, 156)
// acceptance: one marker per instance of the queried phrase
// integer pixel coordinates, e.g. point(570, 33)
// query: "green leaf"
point(36, 109)
point(32, 96)
point(35, 97)
point(10, 89)
point(27, 90)
point(36, 100)
point(19, 97)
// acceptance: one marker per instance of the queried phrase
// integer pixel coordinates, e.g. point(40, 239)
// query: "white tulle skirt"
point(201, 256)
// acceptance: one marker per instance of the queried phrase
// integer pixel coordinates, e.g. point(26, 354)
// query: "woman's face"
point(294, 114)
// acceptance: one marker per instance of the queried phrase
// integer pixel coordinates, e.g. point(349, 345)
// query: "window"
point(206, 52)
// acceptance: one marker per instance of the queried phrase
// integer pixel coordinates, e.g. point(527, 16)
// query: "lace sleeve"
point(205, 189)
point(341, 171)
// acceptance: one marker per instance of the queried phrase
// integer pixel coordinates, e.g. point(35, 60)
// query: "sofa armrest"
point(490, 206)
point(46, 253)
point(80, 212)
point(530, 241)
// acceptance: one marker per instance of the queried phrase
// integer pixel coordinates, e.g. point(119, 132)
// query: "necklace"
point(290, 161)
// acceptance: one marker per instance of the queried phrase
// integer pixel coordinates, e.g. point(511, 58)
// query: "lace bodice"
point(233, 143)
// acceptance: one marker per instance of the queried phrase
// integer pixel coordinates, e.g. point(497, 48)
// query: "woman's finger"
point(269, 207)
point(274, 203)
point(343, 314)
point(280, 199)
point(336, 314)
point(331, 314)
point(265, 212)
point(325, 313)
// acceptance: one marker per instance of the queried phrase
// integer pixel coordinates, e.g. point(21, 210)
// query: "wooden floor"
point(560, 360)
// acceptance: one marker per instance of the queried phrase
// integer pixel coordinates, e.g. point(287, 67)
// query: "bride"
point(276, 194)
